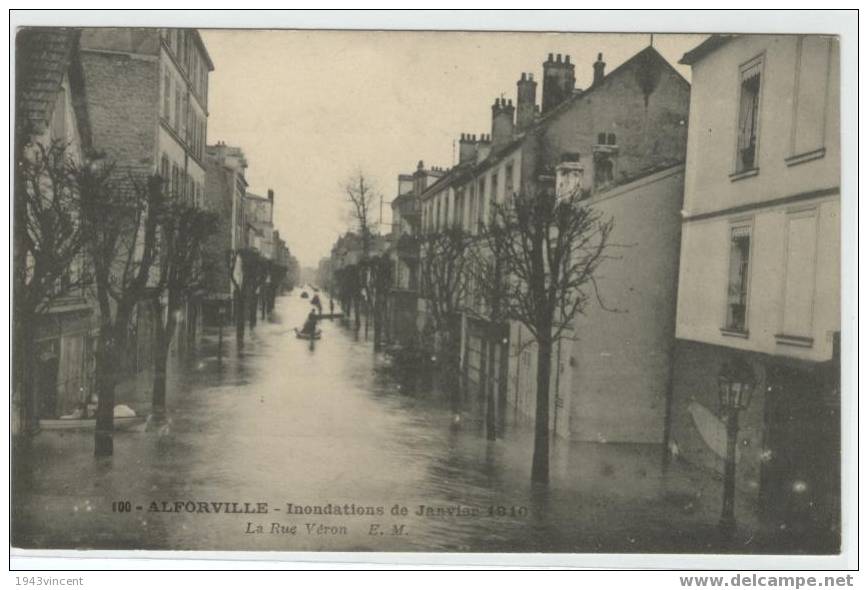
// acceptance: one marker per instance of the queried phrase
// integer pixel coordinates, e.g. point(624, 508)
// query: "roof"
point(704, 48)
point(456, 172)
point(43, 58)
point(204, 50)
point(649, 51)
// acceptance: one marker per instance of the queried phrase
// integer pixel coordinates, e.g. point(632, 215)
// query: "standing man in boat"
point(310, 323)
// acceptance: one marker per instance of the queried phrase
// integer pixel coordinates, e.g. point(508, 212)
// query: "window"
point(167, 93)
point(800, 265)
point(739, 274)
point(480, 217)
point(164, 169)
point(58, 117)
point(604, 170)
point(494, 184)
point(508, 187)
point(459, 208)
point(446, 211)
point(471, 213)
point(175, 180)
point(810, 97)
point(437, 217)
point(177, 122)
point(748, 116)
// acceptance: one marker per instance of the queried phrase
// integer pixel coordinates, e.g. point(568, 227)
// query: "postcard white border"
point(826, 22)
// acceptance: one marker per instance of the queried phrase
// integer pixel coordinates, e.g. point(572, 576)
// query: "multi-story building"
point(760, 260)
point(225, 188)
point(260, 223)
point(621, 142)
point(50, 111)
point(404, 250)
point(147, 98)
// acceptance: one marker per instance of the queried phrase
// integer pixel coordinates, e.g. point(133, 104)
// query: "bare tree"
point(119, 220)
point(48, 256)
point(183, 231)
point(363, 197)
point(443, 272)
point(551, 247)
point(380, 268)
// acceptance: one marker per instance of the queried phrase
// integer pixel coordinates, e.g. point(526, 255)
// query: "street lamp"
point(735, 385)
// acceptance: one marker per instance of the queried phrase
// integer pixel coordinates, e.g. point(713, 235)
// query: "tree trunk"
point(108, 363)
point(540, 469)
point(253, 308)
point(239, 318)
point(378, 324)
point(162, 341)
point(25, 402)
point(491, 396)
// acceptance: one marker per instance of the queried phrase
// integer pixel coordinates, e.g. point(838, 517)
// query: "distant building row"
point(137, 98)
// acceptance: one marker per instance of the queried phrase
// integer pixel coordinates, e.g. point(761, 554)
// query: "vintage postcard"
point(281, 290)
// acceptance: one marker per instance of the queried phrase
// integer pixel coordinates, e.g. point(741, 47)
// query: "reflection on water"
point(327, 427)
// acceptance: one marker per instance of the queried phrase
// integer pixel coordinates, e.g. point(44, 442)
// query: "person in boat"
point(309, 327)
point(317, 304)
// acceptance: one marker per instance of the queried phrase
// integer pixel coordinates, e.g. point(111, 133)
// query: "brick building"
point(147, 98)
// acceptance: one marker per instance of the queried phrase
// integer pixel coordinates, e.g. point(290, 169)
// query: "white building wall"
point(798, 177)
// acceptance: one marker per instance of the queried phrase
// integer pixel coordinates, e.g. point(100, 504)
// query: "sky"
point(311, 108)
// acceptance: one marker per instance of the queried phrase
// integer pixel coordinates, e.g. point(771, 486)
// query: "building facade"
point(147, 99)
point(225, 189)
point(405, 250)
point(50, 111)
point(621, 143)
point(760, 259)
point(260, 223)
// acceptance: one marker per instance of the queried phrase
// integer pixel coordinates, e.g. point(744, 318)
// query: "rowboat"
point(120, 423)
point(315, 336)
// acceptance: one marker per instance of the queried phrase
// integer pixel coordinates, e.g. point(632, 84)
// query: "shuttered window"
point(748, 116)
point(739, 278)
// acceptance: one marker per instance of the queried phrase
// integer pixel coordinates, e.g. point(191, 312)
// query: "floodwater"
point(283, 427)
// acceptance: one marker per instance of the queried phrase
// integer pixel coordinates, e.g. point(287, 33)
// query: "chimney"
point(599, 69)
point(502, 125)
point(483, 147)
point(559, 80)
point(466, 147)
point(270, 195)
point(525, 102)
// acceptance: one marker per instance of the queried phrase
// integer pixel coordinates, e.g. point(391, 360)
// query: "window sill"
point(802, 341)
point(805, 157)
point(743, 174)
point(735, 333)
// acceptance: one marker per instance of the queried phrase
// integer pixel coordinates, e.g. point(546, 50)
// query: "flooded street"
point(329, 453)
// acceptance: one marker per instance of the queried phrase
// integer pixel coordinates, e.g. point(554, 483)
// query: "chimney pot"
point(551, 57)
point(567, 59)
point(599, 69)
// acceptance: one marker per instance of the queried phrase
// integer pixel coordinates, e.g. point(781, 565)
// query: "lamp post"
point(735, 385)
